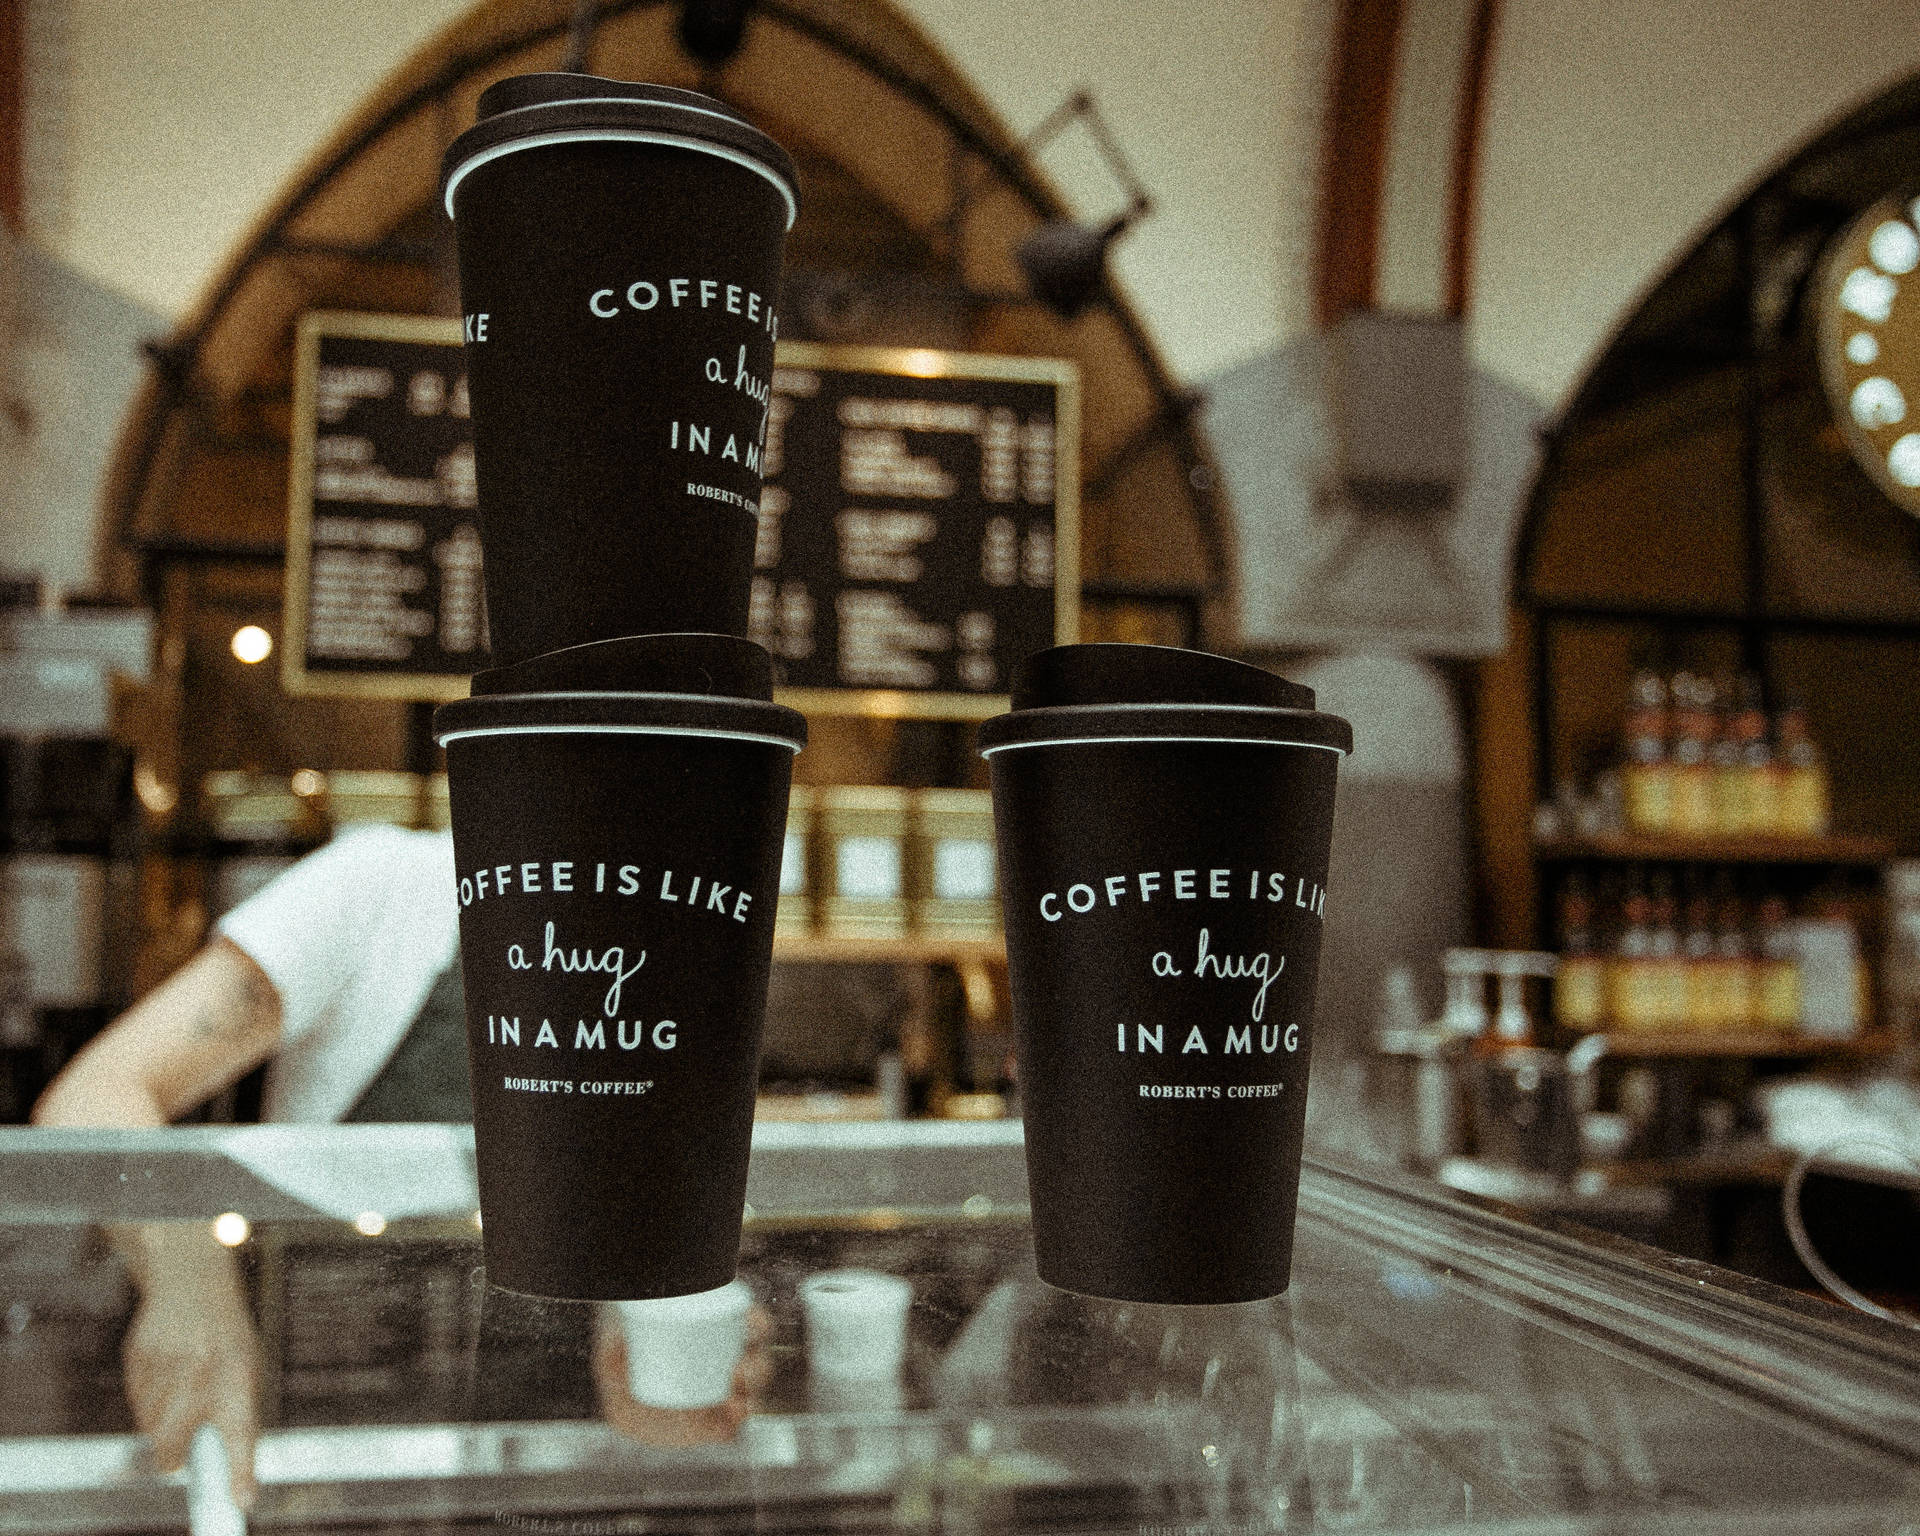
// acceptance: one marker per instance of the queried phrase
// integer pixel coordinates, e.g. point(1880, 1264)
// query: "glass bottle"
point(1777, 967)
point(1832, 903)
point(1647, 775)
point(1579, 989)
point(1725, 756)
point(1693, 771)
point(1804, 800)
point(1628, 975)
point(1667, 980)
point(1760, 772)
point(1700, 954)
point(1738, 1007)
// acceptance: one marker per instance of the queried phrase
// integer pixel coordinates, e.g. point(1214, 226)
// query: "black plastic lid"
point(725, 665)
point(1109, 693)
point(620, 714)
point(1147, 674)
point(524, 111)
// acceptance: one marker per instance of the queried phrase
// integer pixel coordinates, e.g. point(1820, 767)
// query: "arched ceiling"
point(884, 130)
point(1702, 429)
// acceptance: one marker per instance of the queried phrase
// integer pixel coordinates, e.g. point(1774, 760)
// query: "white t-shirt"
point(352, 938)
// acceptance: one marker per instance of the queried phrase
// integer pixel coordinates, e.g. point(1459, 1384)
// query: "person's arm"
point(205, 1027)
point(190, 1354)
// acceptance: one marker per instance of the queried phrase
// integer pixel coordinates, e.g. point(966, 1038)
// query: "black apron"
point(426, 1077)
point(531, 1357)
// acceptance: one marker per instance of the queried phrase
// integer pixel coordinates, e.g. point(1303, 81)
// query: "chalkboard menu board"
point(919, 529)
point(383, 588)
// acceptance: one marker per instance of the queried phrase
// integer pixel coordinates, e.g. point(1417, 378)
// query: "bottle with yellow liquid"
point(1705, 985)
point(1693, 735)
point(1739, 1004)
point(1630, 972)
point(1579, 987)
point(1667, 979)
point(1744, 795)
point(1646, 777)
point(1804, 800)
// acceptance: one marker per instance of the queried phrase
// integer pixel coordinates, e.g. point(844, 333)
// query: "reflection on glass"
point(1432, 1367)
point(1189, 1414)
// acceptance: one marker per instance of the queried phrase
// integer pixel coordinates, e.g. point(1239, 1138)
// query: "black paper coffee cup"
point(620, 252)
point(618, 864)
point(1163, 820)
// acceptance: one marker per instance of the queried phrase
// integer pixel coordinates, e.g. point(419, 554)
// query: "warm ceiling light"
point(251, 643)
point(372, 1223)
point(923, 364)
point(230, 1229)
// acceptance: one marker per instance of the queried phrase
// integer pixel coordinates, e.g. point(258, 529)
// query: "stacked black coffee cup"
point(619, 781)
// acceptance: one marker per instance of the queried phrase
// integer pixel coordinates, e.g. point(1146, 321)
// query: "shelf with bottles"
point(875, 873)
point(1703, 770)
point(1716, 961)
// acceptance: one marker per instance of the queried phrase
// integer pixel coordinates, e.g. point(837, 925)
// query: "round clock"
point(1869, 298)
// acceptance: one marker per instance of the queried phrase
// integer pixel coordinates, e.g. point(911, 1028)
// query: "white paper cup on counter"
point(682, 1350)
point(856, 1331)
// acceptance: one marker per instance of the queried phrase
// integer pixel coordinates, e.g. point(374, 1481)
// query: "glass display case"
point(1438, 1363)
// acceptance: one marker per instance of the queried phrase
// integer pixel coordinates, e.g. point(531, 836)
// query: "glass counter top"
point(1438, 1363)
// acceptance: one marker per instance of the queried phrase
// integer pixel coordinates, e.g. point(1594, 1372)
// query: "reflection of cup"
point(856, 1336)
point(620, 252)
point(682, 1350)
point(1163, 820)
point(211, 1510)
point(618, 858)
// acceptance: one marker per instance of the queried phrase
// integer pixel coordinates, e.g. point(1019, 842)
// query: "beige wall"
point(1206, 99)
point(1416, 194)
point(1616, 132)
point(185, 117)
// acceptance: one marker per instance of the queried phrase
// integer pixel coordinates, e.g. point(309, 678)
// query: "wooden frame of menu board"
point(395, 523)
point(1014, 406)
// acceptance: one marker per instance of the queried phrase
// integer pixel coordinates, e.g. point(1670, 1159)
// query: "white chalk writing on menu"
point(906, 536)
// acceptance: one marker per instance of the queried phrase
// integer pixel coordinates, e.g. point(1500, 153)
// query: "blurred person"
point(342, 978)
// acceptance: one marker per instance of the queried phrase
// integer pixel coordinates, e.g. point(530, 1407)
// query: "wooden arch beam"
point(1353, 158)
point(1357, 142)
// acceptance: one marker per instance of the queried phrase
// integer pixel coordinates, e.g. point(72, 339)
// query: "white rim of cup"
point(616, 730)
point(624, 136)
point(1105, 741)
point(735, 1295)
point(870, 1283)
